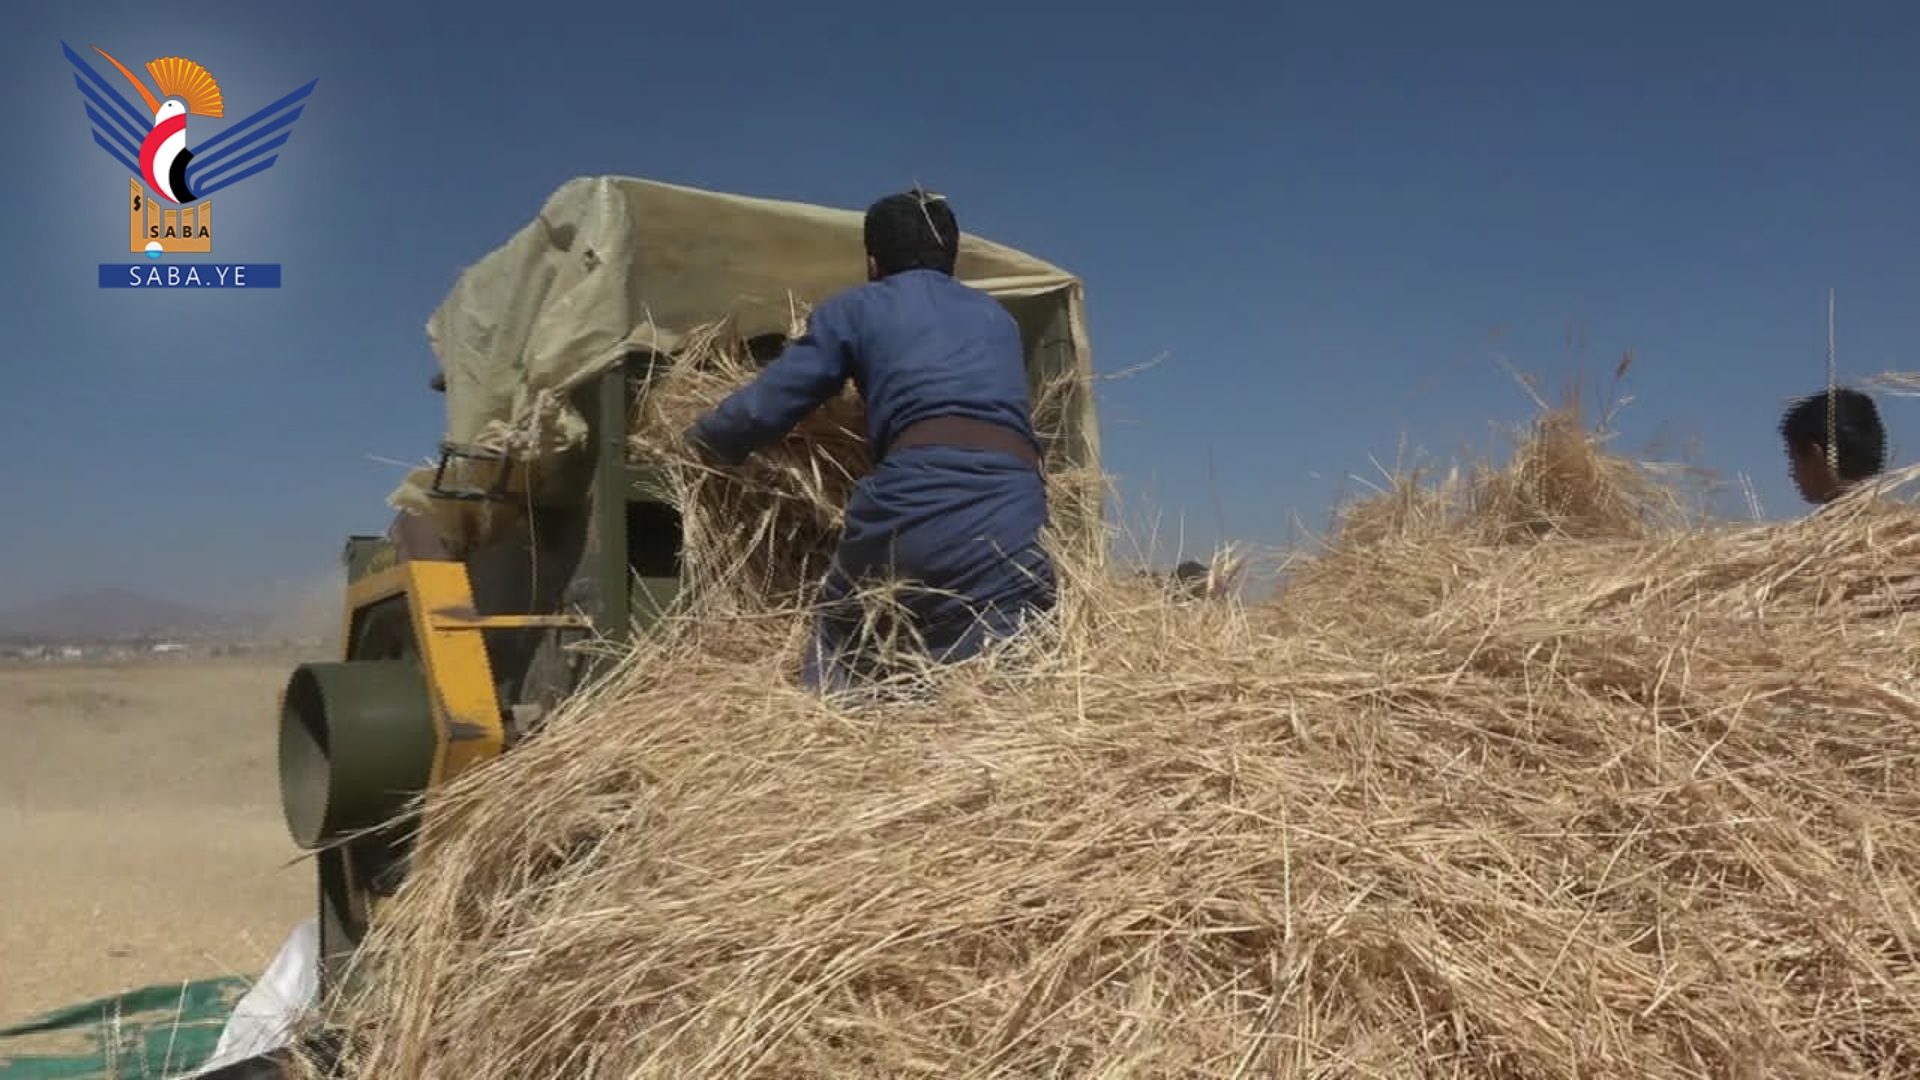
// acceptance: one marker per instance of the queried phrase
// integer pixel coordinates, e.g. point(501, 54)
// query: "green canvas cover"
point(157, 1031)
point(613, 265)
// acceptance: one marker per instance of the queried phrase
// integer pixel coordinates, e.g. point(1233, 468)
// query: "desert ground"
point(140, 832)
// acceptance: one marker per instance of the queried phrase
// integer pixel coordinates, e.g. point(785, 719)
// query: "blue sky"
point(1330, 219)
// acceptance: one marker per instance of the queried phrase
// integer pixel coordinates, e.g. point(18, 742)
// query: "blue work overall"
point(958, 526)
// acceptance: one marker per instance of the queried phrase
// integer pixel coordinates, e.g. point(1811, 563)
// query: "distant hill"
point(118, 614)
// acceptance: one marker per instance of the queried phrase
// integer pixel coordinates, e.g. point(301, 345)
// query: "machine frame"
point(490, 644)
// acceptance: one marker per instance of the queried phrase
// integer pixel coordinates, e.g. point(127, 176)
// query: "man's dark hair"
point(1860, 441)
point(912, 231)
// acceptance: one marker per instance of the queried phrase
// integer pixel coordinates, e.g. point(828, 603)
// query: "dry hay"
point(1526, 784)
point(765, 529)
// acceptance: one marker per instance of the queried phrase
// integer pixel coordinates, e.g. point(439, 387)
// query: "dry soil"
point(140, 832)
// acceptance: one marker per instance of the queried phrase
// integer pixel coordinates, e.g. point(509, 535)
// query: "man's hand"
point(810, 370)
point(701, 451)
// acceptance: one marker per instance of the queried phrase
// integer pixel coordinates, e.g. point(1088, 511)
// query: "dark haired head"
point(911, 231)
point(1859, 442)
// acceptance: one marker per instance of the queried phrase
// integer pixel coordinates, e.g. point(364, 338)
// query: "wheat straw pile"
point(1520, 779)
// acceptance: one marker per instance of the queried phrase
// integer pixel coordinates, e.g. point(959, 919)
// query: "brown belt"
point(968, 433)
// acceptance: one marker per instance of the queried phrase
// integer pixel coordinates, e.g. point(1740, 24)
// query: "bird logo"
point(153, 145)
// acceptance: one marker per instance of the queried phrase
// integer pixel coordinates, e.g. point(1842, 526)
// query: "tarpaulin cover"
point(178, 1031)
point(613, 265)
point(158, 1031)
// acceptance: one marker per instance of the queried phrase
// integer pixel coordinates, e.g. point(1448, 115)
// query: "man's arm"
point(810, 370)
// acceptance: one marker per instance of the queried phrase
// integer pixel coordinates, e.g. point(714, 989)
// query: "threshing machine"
point(460, 624)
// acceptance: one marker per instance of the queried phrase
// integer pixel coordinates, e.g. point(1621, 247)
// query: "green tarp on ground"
point(147, 1034)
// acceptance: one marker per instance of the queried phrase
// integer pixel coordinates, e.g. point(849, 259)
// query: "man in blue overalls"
point(954, 508)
